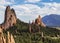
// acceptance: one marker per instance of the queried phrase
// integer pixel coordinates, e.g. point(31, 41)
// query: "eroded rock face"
point(10, 38)
point(35, 25)
point(39, 21)
point(10, 20)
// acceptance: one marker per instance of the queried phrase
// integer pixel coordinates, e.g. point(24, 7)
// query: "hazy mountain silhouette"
point(52, 20)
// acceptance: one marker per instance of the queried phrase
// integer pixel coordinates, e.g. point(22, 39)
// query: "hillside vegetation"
point(22, 35)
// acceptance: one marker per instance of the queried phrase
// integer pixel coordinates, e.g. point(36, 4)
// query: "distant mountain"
point(52, 20)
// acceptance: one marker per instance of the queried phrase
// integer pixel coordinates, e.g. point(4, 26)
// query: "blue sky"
point(29, 9)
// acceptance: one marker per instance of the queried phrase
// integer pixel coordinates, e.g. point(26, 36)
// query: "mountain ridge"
point(52, 20)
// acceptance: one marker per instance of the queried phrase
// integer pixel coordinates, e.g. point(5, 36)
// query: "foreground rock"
point(10, 20)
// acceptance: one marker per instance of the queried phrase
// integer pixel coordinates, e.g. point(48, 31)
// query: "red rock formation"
point(39, 21)
point(10, 18)
point(35, 25)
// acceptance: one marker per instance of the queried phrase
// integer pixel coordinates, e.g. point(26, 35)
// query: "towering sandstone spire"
point(10, 18)
point(9, 21)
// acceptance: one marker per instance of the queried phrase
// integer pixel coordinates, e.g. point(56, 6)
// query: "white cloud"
point(28, 12)
point(4, 2)
point(13, 1)
point(52, 8)
point(32, 1)
point(33, 11)
point(2, 10)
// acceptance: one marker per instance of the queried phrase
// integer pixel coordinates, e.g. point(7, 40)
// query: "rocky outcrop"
point(39, 21)
point(10, 38)
point(10, 20)
point(35, 25)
